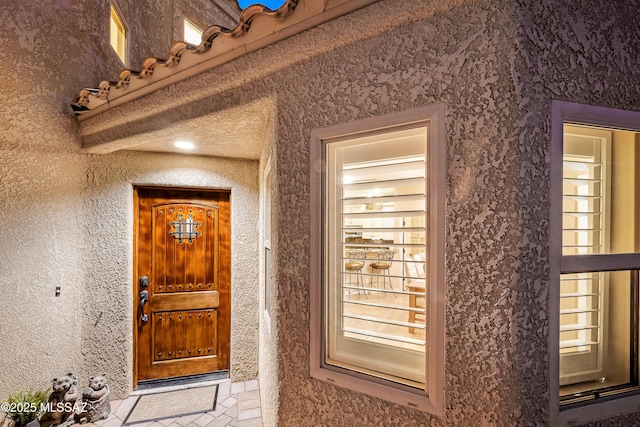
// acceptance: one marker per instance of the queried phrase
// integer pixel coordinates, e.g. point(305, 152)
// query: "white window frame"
point(431, 398)
point(267, 201)
point(588, 115)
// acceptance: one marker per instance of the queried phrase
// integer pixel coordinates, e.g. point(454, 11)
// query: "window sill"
point(592, 411)
point(412, 399)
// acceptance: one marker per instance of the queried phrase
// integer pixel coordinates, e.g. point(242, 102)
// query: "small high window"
point(596, 257)
point(378, 271)
point(118, 34)
point(192, 33)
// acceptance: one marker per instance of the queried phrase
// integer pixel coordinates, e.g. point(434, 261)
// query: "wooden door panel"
point(188, 309)
point(185, 301)
point(184, 334)
point(185, 266)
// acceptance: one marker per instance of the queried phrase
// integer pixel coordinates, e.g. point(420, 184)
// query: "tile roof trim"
point(258, 28)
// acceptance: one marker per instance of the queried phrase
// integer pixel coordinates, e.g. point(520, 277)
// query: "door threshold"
point(180, 383)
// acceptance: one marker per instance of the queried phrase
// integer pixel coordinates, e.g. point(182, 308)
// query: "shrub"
point(25, 406)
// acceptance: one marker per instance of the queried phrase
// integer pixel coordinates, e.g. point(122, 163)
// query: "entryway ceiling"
point(237, 132)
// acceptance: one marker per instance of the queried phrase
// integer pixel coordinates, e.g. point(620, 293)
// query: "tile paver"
point(249, 414)
point(224, 389)
point(251, 385)
point(249, 395)
point(228, 402)
point(186, 420)
point(204, 420)
point(237, 388)
point(125, 407)
point(232, 412)
point(256, 422)
point(221, 421)
point(243, 405)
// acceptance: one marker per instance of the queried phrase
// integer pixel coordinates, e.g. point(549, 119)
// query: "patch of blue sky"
point(271, 4)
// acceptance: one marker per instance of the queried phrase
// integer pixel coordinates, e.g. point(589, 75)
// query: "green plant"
point(25, 406)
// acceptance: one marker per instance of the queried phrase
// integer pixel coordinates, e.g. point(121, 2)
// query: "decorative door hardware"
point(185, 229)
point(144, 298)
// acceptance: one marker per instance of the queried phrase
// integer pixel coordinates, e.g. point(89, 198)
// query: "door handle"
point(144, 298)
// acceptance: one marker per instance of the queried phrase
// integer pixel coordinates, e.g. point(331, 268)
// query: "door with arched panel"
point(182, 296)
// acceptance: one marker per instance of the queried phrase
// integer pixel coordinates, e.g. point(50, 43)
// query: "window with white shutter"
point(586, 188)
point(377, 318)
point(595, 260)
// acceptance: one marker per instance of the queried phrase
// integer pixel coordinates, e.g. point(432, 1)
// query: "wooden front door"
point(182, 283)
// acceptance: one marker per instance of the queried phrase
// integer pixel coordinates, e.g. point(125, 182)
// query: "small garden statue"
point(95, 401)
point(62, 401)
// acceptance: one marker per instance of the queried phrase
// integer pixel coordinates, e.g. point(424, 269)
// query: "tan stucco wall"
point(460, 56)
point(68, 216)
point(41, 192)
point(41, 244)
point(268, 328)
point(153, 26)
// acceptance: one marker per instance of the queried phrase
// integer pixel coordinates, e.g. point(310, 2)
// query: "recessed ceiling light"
point(185, 145)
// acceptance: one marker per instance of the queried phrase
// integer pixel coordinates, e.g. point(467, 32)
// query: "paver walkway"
point(238, 405)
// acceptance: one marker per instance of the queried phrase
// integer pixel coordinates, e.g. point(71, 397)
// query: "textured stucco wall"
point(497, 65)
point(41, 190)
point(462, 57)
point(68, 216)
point(154, 25)
point(392, 56)
point(587, 54)
point(268, 333)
